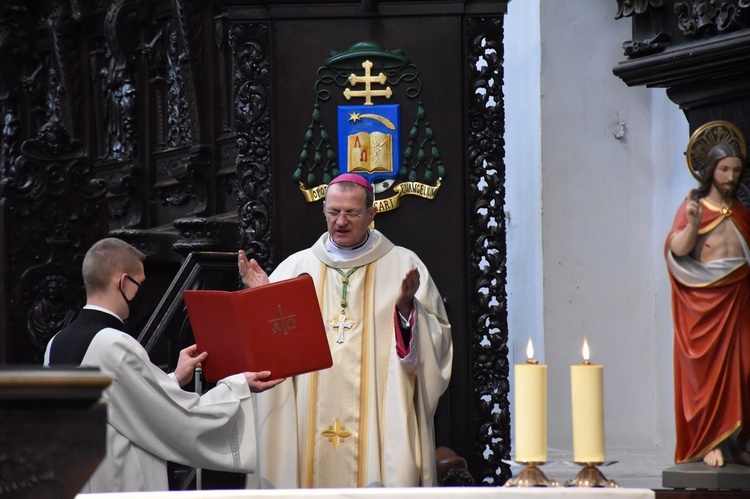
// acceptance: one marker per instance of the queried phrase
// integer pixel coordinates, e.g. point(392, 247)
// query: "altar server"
point(151, 419)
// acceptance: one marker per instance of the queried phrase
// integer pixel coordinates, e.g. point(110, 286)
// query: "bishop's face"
point(727, 176)
point(342, 206)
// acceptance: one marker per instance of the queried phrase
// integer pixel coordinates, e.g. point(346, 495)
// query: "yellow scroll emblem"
point(318, 193)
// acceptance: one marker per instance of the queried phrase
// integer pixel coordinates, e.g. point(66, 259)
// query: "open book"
point(277, 327)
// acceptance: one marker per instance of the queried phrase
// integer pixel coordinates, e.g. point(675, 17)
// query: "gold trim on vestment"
point(365, 374)
point(708, 228)
point(312, 403)
point(715, 223)
point(726, 214)
point(708, 448)
point(672, 261)
point(722, 278)
point(391, 346)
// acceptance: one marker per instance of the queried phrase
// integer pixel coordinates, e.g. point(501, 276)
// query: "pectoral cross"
point(342, 323)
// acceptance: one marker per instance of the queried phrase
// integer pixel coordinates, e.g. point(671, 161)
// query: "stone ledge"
point(701, 476)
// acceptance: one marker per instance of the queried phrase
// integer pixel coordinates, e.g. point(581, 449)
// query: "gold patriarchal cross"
point(368, 80)
point(341, 323)
point(336, 433)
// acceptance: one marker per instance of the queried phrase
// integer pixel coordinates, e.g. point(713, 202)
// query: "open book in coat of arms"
point(368, 85)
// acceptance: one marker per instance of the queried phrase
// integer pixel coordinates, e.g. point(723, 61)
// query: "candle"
point(531, 410)
point(588, 410)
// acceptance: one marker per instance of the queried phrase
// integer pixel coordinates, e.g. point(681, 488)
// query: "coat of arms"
point(369, 85)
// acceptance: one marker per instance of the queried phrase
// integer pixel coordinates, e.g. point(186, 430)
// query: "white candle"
point(586, 381)
point(531, 410)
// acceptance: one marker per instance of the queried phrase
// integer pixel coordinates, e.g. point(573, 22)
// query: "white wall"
point(588, 214)
point(523, 195)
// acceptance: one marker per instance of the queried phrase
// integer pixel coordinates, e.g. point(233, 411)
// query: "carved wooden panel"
point(253, 103)
point(49, 454)
point(659, 24)
point(54, 209)
point(489, 346)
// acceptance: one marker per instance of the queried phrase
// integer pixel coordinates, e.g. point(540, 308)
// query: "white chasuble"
point(366, 421)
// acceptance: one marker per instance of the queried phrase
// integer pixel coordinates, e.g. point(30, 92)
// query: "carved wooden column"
point(253, 103)
point(486, 194)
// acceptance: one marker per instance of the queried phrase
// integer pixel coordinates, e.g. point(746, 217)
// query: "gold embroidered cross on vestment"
point(342, 322)
point(336, 433)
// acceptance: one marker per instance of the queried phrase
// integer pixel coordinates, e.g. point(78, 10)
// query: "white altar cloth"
point(393, 493)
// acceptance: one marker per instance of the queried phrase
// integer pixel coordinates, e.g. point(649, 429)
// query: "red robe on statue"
point(711, 312)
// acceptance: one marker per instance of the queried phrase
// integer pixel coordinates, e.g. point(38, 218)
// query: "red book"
point(277, 327)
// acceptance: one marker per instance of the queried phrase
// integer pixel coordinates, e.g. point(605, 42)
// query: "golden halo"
point(705, 138)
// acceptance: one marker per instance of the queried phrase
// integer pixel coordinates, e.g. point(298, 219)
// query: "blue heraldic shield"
point(369, 141)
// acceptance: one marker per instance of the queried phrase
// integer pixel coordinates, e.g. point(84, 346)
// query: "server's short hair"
point(108, 257)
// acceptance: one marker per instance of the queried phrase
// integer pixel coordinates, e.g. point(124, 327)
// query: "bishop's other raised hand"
point(251, 273)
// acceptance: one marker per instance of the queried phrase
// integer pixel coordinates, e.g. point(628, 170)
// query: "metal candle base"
point(531, 476)
point(590, 476)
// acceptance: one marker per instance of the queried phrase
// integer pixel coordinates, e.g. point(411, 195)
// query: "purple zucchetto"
point(353, 178)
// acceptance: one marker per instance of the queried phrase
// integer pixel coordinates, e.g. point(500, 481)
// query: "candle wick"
point(587, 362)
point(532, 361)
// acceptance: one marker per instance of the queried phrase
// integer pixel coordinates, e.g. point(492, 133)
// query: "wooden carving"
point(489, 343)
point(54, 210)
point(252, 85)
point(702, 17)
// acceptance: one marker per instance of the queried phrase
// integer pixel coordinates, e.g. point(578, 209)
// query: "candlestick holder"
point(590, 476)
point(531, 476)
